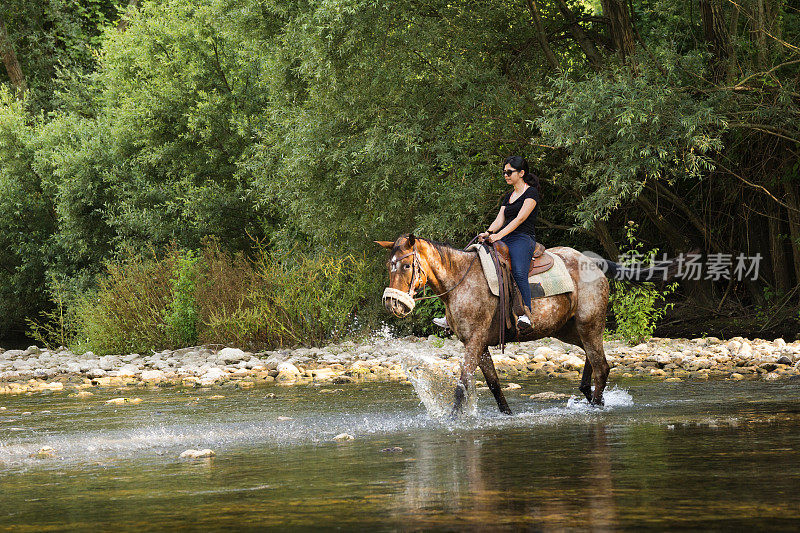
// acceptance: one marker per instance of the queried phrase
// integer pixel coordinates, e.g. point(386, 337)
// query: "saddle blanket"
point(556, 280)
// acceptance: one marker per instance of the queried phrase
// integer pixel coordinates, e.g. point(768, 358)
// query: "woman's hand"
point(494, 237)
point(482, 236)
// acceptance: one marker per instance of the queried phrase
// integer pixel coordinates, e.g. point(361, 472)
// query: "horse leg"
point(592, 336)
point(586, 380)
point(490, 374)
point(467, 376)
point(569, 333)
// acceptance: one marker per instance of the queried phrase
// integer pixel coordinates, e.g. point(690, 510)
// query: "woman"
point(514, 225)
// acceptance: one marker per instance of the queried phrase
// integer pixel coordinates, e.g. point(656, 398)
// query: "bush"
point(638, 307)
point(146, 302)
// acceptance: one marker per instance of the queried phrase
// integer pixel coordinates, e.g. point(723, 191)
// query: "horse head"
point(407, 274)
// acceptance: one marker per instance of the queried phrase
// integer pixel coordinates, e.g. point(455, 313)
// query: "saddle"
point(511, 306)
point(541, 261)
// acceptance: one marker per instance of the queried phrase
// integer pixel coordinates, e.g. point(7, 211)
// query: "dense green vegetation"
point(310, 127)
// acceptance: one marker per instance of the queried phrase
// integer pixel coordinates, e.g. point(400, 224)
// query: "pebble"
point(197, 454)
point(39, 370)
point(45, 452)
point(393, 449)
point(122, 401)
point(342, 437)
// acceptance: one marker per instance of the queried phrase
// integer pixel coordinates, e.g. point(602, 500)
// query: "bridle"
point(417, 272)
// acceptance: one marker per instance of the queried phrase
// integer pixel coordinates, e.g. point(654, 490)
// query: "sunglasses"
point(509, 172)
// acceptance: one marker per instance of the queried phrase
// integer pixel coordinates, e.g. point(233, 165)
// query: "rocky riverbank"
point(380, 359)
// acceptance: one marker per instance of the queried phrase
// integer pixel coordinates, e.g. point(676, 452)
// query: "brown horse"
point(577, 318)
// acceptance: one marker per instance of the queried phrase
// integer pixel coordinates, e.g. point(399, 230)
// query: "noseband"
point(407, 298)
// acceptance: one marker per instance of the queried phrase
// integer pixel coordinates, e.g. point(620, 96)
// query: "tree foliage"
point(325, 124)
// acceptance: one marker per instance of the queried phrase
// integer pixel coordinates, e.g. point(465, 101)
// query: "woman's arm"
point(527, 208)
point(496, 225)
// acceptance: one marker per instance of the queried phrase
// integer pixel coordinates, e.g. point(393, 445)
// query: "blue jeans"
point(520, 248)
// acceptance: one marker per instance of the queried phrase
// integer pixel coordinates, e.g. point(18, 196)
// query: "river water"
point(690, 455)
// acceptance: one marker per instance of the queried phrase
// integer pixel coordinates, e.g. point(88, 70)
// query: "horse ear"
point(411, 239)
point(386, 244)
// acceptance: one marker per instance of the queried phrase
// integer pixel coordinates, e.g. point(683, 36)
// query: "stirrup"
point(441, 321)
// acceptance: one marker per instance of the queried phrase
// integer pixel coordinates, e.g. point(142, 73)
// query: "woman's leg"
point(520, 248)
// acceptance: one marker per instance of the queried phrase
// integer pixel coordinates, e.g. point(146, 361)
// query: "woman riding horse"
point(514, 225)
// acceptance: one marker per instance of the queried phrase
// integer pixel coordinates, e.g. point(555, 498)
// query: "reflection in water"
point(469, 480)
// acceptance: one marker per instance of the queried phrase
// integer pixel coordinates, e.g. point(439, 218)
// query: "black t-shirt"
point(513, 209)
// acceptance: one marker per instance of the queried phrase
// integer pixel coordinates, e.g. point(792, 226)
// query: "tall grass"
point(181, 298)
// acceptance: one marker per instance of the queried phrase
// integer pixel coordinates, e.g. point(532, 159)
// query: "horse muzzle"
point(397, 302)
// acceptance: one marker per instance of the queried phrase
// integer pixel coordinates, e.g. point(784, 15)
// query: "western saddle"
point(541, 261)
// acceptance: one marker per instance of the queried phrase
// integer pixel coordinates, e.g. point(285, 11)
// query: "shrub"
point(129, 310)
point(146, 302)
point(638, 307)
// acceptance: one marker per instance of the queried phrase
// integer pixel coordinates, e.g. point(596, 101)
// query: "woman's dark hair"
point(518, 162)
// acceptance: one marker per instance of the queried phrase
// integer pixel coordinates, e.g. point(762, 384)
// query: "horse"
point(577, 318)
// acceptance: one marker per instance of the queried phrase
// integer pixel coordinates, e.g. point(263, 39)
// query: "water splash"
point(612, 397)
point(435, 381)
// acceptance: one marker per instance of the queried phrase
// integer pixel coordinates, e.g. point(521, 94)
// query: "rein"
point(475, 238)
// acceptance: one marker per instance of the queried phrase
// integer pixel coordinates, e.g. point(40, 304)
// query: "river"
point(689, 455)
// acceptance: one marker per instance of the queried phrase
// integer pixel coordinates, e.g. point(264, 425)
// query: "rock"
point(287, 372)
point(736, 377)
point(393, 449)
point(212, 376)
point(342, 437)
point(784, 360)
point(122, 401)
point(21, 365)
point(197, 454)
point(284, 418)
point(549, 396)
point(231, 355)
point(323, 374)
point(699, 364)
point(512, 386)
point(152, 375)
point(33, 350)
point(82, 394)
point(45, 452)
point(127, 371)
point(673, 380)
point(216, 397)
point(96, 373)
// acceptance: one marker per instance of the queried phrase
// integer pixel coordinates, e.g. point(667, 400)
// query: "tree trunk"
point(716, 35)
point(600, 231)
point(759, 21)
point(677, 241)
point(777, 255)
point(541, 36)
point(793, 201)
point(733, 30)
point(580, 36)
point(619, 23)
point(10, 61)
